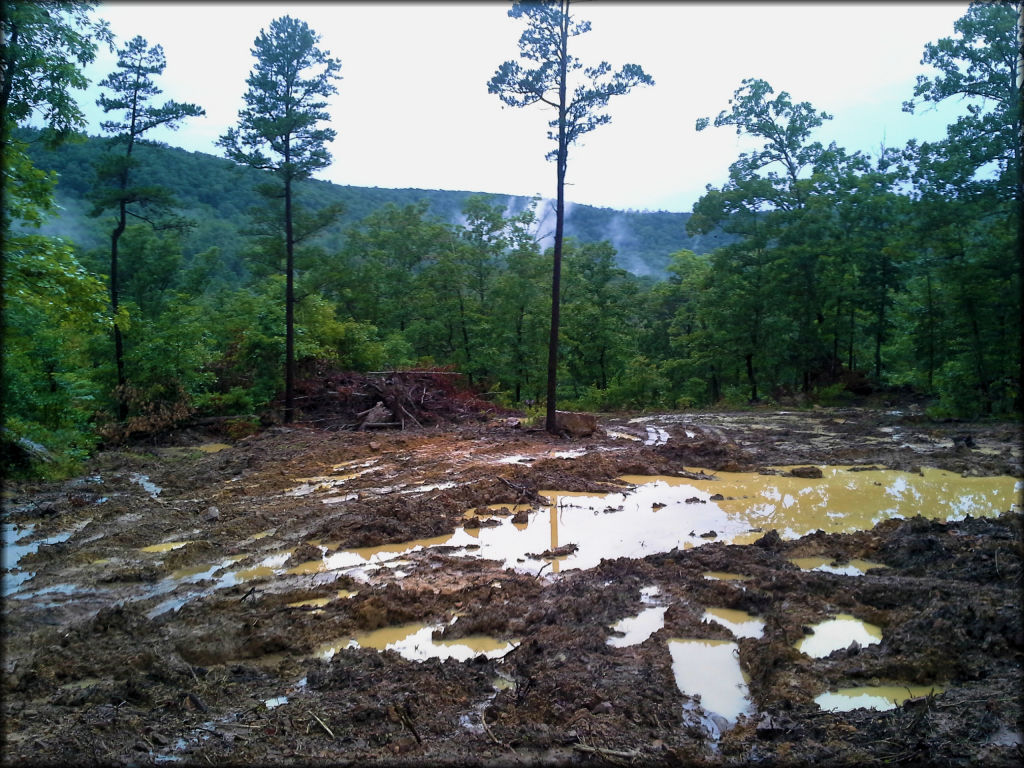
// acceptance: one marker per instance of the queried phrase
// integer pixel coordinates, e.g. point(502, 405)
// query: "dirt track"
point(108, 659)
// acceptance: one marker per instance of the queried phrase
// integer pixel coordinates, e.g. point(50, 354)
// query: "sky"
point(412, 108)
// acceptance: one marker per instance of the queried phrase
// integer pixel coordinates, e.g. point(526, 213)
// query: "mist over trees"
point(827, 275)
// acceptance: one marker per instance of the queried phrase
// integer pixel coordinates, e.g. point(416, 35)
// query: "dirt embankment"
point(208, 650)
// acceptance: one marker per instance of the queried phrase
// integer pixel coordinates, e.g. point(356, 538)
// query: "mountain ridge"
point(217, 194)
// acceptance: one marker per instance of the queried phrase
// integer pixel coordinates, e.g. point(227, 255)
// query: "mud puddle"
point(417, 642)
point(711, 670)
point(877, 697)
point(652, 515)
point(838, 634)
point(578, 530)
point(597, 663)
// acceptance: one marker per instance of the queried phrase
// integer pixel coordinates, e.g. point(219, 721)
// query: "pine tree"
point(546, 42)
point(279, 130)
point(132, 90)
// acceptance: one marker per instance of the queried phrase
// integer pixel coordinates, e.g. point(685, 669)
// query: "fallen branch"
point(495, 739)
point(323, 725)
point(612, 755)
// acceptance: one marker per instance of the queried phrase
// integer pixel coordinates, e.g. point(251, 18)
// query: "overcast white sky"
point(412, 109)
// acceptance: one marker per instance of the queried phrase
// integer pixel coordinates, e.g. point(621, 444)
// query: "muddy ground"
point(92, 674)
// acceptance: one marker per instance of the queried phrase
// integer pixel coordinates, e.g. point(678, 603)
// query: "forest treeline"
point(834, 273)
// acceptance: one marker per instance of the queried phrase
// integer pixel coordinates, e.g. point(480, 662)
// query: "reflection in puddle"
point(711, 669)
point(840, 502)
point(852, 567)
point(879, 697)
point(837, 634)
point(416, 643)
point(203, 571)
point(310, 485)
point(740, 623)
point(14, 550)
point(260, 535)
point(151, 488)
point(636, 629)
point(656, 436)
point(665, 513)
point(578, 530)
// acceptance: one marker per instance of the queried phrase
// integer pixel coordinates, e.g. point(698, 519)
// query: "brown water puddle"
point(165, 546)
point(212, 447)
point(205, 570)
point(880, 697)
point(837, 634)
point(578, 530)
point(415, 642)
point(840, 501)
point(711, 669)
point(663, 513)
point(320, 602)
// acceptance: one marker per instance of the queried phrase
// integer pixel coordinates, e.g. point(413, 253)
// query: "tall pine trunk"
point(556, 273)
point(289, 304)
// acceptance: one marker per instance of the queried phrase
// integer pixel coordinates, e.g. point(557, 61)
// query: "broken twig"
point(323, 725)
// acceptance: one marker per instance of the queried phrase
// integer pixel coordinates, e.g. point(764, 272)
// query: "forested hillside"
point(145, 285)
point(217, 196)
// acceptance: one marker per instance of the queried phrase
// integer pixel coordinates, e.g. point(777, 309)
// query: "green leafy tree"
point(545, 79)
point(380, 268)
point(971, 189)
point(599, 321)
point(50, 306)
point(46, 47)
point(518, 326)
point(765, 200)
point(280, 130)
point(982, 66)
point(132, 89)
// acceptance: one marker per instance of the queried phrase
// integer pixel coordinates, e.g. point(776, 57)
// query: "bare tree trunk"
point(556, 274)
point(289, 307)
point(115, 236)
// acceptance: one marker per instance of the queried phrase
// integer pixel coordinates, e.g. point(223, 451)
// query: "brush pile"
point(340, 400)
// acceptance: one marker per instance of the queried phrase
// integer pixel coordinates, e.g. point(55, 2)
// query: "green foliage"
point(279, 128)
point(811, 274)
point(53, 312)
point(46, 47)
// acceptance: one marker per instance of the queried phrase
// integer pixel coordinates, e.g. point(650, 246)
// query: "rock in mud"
point(770, 541)
point(575, 424)
point(811, 473)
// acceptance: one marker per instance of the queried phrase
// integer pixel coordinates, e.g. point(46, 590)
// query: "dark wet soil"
point(93, 673)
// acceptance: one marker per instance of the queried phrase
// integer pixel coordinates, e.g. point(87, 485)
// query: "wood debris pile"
point(338, 400)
